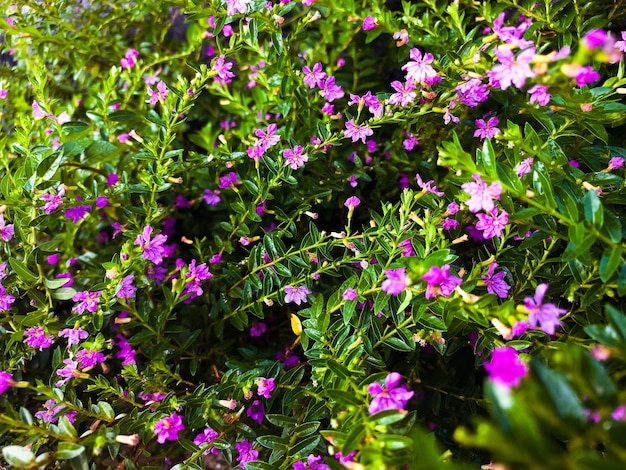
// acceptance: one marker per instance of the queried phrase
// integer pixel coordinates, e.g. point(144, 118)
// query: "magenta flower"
point(440, 281)
point(487, 130)
point(73, 335)
point(352, 202)
point(495, 282)
point(313, 77)
point(267, 139)
point(126, 353)
point(586, 75)
point(153, 249)
point(481, 195)
point(355, 132)
point(472, 92)
point(511, 70)
point(256, 411)
point(492, 224)
point(167, 429)
point(313, 462)
point(546, 315)
point(88, 301)
point(621, 45)
point(294, 158)
point(126, 289)
point(257, 329)
point(329, 90)
point(6, 230)
point(50, 412)
point(419, 68)
point(595, 38)
point(236, 6)
point(6, 381)
point(506, 368)
point(428, 187)
point(615, 163)
point(207, 437)
point(194, 277)
point(224, 75)
point(212, 198)
point(68, 372)
point(76, 213)
point(539, 94)
point(524, 167)
point(266, 387)
point(296, 294)
point(159, 95)
point(369, 22)
point(53, 201)
point(246, 452)
point(404, 96)
point(6, 300)
point(228, 180)
point(390, 397)
point(128, 61)
point(349, 294)
point(89, 358)
point(397, 281)
point(37, 338)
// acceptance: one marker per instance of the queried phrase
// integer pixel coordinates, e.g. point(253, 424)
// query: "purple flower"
point(495, 282)
point(236, 6)
point(313, 77)
point(159, 95)
point(539, 94)
point(207, 437)
point(88, 301)
point(390, 397)
point(586, 75)
point(487, 130)
point(6, 300)
point(50, 412)
point(547, 315)
point(506, 368)
point(257, 329)
point(194, 277)
point(355, 132)
point(595, 38)
point(349, 294)
point(89, 358)
point(224, 75)
point(266, 387)
point(294, 158)
point(329, 90)
point(369, 22)
point(76, 213)
point(492, 224)
point(397, 281)
point(126, 352)
point(6, 230)
point(621, 45)
point(404, 96)
point(37, 338)
point(211, 197)
point(296, 294)
point(227, 181)
point(511, 70)
point(73, 335)
point(153, 249)
point(246, 452)
point(313, 462)
point(524, 167)
point(472, 92)
point(6, 381)
point(352, 202)
point(440, 281)
point(68, 372)
point(269, 138)
point(428, 186)
point(615, 163)
point(126, 289)
point(481, 195)
point(419, 68)
point(53, 201)
point(167, 429)
point(256, 411)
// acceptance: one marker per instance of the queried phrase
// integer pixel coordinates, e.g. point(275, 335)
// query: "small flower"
point(404, 96)
point(369, 22)
point(6, 300)
point(495, 282)
point(487, 130)
point(492, 224)
point(313, 77)
point(621, 45)
point(256, 411)
point(88, 301)
point(329, 90)
point(418, 70)
point(246, 452)
point(228, 180)
point(352, 202)
point(397, 281)
point(440, 281)
point(159, 95)
point(37, 338)
point(224, 75)
point(546, 315)
point(390, 397)
point(481, 195)
point(73, 335)
point(128, 62)
point(539, 94)
point(615, 163)
point(207, 437)
point(401, 37)
point(506, 368)
point(313, 462)
point(126, 353)
point(6, 381)
point(257, 329)
point(153, 249)
point(294, 158)
point(349, 294)
point(6, 230)
point(511, 70)
point(586, 75)
point(50, 412)
point(76, 213)
point(472, 92)
point(126, 289)
point(524, 167)
point(296, 294)
point(89, 358)
point(355, 132)
point(167, 429)
point(266, 387)
point(211, 197)
point(236, 6)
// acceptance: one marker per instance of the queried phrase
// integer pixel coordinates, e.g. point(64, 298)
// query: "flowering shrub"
point(312, 235)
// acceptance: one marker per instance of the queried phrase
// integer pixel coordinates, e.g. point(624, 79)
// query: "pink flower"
point(37, 338)
point(506, 368)
point(211, 197)
point(495, 282)
point(390, 397)
point(472, 92)
point(236, 6)
point(77, 213)
point(397, 281)
point(89, 357)
point(621, 45)
point(349, 294)
point(595, 38)
point(153, 249)
point(524, 167)
point(128, 61)
point(329, 90)
point(481, 195)
point(257, 329)
point(294, 158)
point(586, 75)
point(404, 95)
point(511, 70)
point(6, 230)
point(313, 77)
point(352, 202)
point(539, 94)
point(428, 187)
point(487, 130)
point(440, 281)
point(401, 37)
point(313, 462)
point(492, 224)
point(419, 68)
point(296, 294)
point(369, 22)
point(355, 132)
point(167, 429)
point(206, 437)
point(246, 452)
point(159, 95)
point(224, 75)
point(193, 279)
point(73, 335)
point(546, 315)
point(615, 163)
point(126, 289)
point(88, 301)
point(6, 381)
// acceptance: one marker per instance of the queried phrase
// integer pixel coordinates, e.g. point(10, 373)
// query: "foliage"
point(296, 234)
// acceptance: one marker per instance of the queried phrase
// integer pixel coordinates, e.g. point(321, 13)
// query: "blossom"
point(126, 352)
point(329, 90)
point(50, 412)
point(294, 158)
point(89, 357)
point(6, 230)
point(418, 69)
point(211, 197)
point(524, 167)
point(313, 462)
point(207, 437)
point(69, 371)
point(472, 92)
point(511, 70)
point(481, 195)
point(126, 289)
point(88, 301)
point(153, 249)
point(76, 213)
point(404, 96)
point(495, 282)
point(487, 130)
point(428, 187)
point(539, 94)
point(369, 22)
point(268, 138)
point(505, 367)
point(615, 163)
point(390, 397)
point(73, 335)
point(349, 294)
point(266, 387)
point(53, 201)
point(224, 75)
point(256, 411)
point(296, 294)
point(595, 38)
point(352, 202)
point(356, 132)
point(313, 77)
point(396, 282)
point(167, 429)
point(37, 338)
point(194, 277)
point(228, 180)
point(621, 45)
point(257, 329)
point(159, 95)
point(246, 452)
point(236, 6)
point(128, 61)
point(512, 34)
point(492, 223)
point(6, 300)
point(586, 75)
point(440, 281)
point(6, 381)
point(547, 315)
point(401, 37)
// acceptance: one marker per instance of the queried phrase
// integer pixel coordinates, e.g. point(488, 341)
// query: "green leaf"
point(55, 283)
point(273, 442)
point(281, 421)
point(594, 212)
point(305, 445)
point(306, 429)
point(489, 159)
point(343, 398)
point(564, 398)
point(64, 293)
point(68, 450)
point(22, 271)
point(18, 456)
point(609, 262)
point(106, 409)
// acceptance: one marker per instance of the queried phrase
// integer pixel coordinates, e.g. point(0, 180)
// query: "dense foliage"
point(312, 234)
